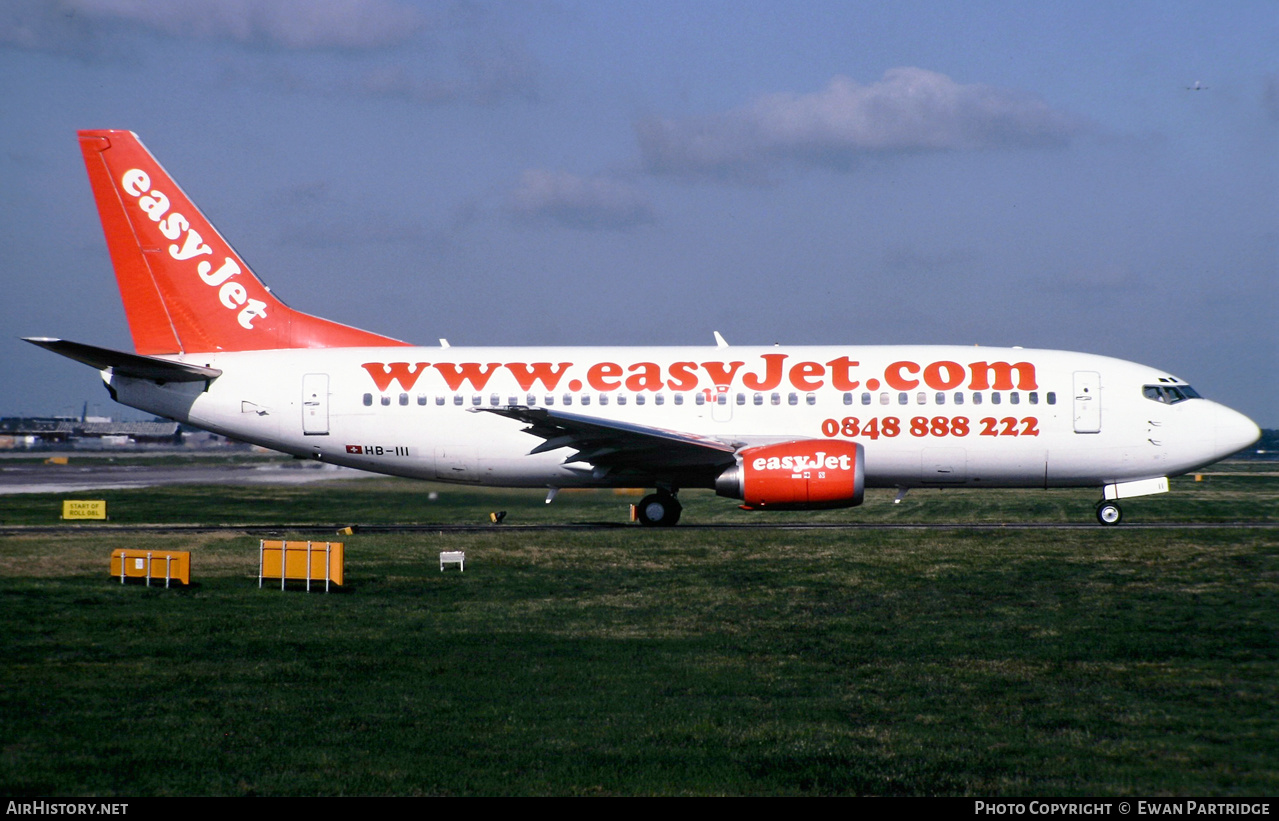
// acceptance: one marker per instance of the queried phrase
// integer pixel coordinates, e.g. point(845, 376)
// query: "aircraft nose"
point(1233, 431)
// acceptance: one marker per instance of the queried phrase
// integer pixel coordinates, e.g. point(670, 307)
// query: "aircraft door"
point(1087, 402)
point(315, 404)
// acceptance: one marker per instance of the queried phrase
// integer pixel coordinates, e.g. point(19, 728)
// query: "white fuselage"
point(926, 415)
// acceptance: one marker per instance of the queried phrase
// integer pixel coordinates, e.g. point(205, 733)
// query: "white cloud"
point(43, 25)
point(908, 110)
point(90, 28)
point(451, 54)
point(288, 24)
point(577, 202)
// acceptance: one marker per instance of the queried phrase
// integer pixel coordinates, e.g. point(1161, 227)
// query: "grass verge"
point(619, 662)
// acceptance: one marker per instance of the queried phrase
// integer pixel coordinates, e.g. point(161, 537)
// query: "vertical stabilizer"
point(185, 289)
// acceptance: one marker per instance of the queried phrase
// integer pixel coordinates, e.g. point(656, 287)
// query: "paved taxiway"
point(98, 473)
point(90, 472)
point(329, 529)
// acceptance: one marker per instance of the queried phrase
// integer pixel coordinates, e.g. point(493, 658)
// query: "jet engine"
point(802, 475)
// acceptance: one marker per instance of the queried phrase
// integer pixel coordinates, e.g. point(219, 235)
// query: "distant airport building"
point(84, 432)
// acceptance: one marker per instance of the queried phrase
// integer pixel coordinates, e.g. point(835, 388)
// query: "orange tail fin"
point(185, 289)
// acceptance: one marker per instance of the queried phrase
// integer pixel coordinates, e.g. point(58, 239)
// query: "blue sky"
point(508, 173)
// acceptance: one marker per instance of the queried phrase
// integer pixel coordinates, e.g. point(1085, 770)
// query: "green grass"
point(1102, 661)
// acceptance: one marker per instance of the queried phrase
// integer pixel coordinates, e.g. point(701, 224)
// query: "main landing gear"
point(1108, 513)
point(660, 509)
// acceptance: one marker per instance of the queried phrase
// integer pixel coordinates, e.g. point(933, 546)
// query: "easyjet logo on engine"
point(174, 226)
point(770, 372)
point(798, 463)
point(797, 475)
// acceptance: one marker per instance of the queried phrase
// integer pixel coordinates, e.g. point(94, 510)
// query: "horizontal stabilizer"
point(127, 364)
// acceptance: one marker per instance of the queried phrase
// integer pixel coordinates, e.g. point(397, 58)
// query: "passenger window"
point(368, 400)
point(457, 399)
point(941, 398)
point(550, 399)
point(568, 399)
point(776, 399)
point(586, 399)
point(404, 399)
point(621, 399)
point(812, 399)
point(1051, 397)
point(439, 400)
point(903, 398)
point(477, 400)
point(865, 398)
point(386, 401)
point(603, 399)
point(1014, 398)
point(660, 399)
point(759, 399)
point(679, 399)
point(701, 399)
point(994, 398)
point(494, 400)
point(976, 398)
point(959, 397)
point(1034, 397)
point(883, 398)
point(921, 398)
point(848, 399)
point(639, 398)
point(792, 399)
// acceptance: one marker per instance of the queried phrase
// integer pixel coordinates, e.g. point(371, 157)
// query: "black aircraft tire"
point(658, 510)
point(1108, 513)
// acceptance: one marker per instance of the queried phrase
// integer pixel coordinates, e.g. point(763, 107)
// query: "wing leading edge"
point(610, 447)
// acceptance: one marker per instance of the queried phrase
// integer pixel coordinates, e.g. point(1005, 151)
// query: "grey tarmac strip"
point(82, 477)
point(14, 530)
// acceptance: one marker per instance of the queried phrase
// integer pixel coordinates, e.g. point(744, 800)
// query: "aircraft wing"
point(126, 364)
point(611, 446)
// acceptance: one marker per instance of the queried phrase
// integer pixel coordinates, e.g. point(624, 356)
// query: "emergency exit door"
point(1087, 402)
point(315, 404)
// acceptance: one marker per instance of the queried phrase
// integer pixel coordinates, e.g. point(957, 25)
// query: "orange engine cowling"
point(807, 474)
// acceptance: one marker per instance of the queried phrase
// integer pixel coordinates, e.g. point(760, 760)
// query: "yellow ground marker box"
point(170, 565)
point(301, 561)
point(84, 509)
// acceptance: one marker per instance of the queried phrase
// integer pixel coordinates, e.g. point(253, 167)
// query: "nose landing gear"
point(1108, 513)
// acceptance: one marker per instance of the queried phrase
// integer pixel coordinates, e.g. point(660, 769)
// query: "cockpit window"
point(1169, 394)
